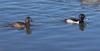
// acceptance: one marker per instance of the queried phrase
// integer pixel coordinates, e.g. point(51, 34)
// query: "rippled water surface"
point(49, 32)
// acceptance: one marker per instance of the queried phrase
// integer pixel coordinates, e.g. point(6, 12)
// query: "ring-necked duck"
point(21, 25)
point(75, 20)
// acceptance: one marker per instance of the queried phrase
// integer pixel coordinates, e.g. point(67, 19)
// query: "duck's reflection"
point(28, 30)
point(82, 26)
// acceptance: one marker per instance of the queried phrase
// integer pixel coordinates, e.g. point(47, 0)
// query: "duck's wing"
point(74, 19)
point(20, 23)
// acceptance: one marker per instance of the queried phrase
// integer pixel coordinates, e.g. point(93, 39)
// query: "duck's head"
point(28, 20)
point(81, 17)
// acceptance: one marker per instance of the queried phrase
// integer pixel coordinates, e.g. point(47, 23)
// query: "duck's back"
point(18, 25)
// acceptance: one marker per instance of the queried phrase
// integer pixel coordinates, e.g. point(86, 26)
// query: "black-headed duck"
point(76, 20)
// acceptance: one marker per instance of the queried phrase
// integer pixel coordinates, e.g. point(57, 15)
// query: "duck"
point(21, 25)
point(76, 20)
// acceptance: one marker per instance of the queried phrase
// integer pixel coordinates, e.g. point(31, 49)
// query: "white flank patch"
point(72, 22)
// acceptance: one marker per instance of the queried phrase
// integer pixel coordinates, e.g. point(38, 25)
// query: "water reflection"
point(82, 26)
point(28, 30)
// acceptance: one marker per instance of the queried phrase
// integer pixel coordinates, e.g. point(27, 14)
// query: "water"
point(49, 32)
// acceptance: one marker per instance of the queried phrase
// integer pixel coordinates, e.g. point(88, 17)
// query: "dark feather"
point(74, 19)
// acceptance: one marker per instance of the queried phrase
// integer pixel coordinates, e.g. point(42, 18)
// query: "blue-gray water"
point(49, 32)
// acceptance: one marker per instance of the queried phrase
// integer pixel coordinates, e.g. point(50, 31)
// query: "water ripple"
point(49, 32)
